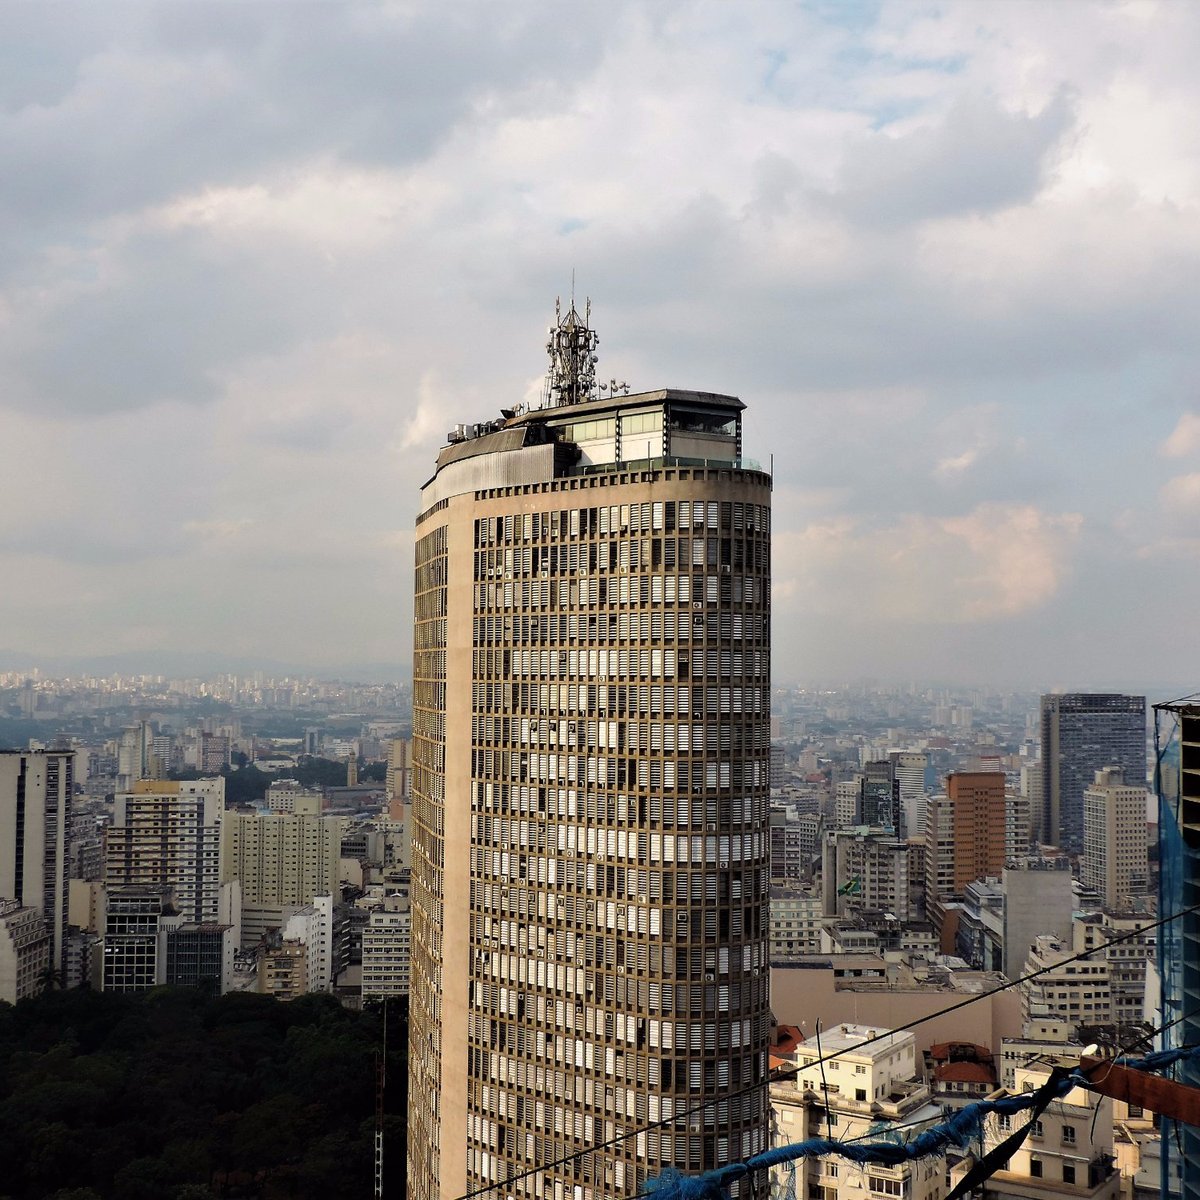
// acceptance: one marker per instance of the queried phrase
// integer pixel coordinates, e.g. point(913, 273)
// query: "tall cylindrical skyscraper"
point(590, 782)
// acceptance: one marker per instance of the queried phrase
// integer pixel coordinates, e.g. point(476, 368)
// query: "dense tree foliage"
point(174, 1095)
point(319, 772)
point(248, 784)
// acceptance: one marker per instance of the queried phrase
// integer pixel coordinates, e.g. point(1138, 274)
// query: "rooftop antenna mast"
point(572, 351)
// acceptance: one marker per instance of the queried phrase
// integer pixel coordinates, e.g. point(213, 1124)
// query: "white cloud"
point(1184, 439)
point(993, 563)
point(1181, 497)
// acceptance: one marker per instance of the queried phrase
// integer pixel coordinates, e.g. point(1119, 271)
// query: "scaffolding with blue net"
point(1177, 784)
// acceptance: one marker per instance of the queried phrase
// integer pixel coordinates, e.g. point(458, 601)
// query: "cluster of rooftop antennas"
point(572, 375)
point(572, 349)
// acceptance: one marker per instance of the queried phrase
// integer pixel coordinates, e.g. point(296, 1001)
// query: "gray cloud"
point(978, 159)
point(253, 256)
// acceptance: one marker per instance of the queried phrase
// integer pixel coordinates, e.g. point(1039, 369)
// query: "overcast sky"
point(255, 259)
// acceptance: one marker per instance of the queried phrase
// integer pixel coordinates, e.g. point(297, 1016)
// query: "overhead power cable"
point(791, 1072)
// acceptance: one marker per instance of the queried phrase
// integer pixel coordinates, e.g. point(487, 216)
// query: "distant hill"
point(184, 664)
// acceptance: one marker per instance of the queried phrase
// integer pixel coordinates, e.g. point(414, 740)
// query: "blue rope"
point(958, 1131)
point(1159, 1060)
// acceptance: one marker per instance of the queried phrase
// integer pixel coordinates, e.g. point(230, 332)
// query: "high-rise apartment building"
point(135, 754)
point(865, 870)
point(1081, 733)
point(909, 767)
point(590, 790)
point(965, 839)
point(167, 834)
point(312, 927)
point(35, 808)
point(1115, 853)
point(1017, 824)
point(282, 861)
point(387, 951)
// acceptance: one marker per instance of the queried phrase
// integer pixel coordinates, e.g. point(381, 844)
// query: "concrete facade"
point(35, 810)
point(1037, 899)
point(25, 945)
point(167, 834)
point(590, 788)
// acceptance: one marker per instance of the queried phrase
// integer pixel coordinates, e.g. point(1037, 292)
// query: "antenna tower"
point(572, 351)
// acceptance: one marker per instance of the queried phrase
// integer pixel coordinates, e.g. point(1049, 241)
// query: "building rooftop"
point(847, 1038)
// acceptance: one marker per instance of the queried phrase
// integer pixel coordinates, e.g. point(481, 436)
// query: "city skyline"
point(254, 269)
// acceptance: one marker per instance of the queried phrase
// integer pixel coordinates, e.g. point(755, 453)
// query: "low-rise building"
point(283, 970)
point(850, 1080)
point(1069, 1149)
point(1077, 991)
point(795, 923)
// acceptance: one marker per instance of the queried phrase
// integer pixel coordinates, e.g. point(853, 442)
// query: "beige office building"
point(283, 861)
point(590, 792)
point(1115, 850)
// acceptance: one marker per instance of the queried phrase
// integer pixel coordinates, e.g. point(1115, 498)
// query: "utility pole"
point(380, 1083)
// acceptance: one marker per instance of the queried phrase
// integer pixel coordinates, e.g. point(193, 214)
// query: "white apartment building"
point(847, 803)
point(1018, 824)
point(288, 796)
point(386, 952)
point(312, 927)
point(1069, 1150)
point(24, 951)
point(909, 766)
point(858, 1088)
point(35, 812)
